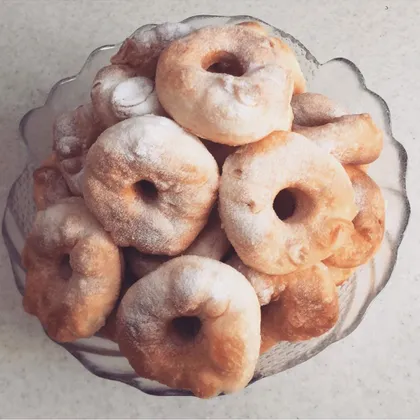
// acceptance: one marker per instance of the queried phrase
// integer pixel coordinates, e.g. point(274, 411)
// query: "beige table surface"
point(375, 372)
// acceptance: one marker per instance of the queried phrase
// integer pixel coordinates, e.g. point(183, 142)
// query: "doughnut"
point(314, 109)
point(146, 192)
point(193, 324)
point(49, 184)
point(307, 308)
point(285, 203)
point(226, 85)
point(339, 275)
point(118, 93)
point(135, 97)
point(369, 223)
point(266, 287)
point(74, 132)
point(211, 243)
point(73, 271)
point(143, 48)
point(289, 61)
point(103, 87)
point(352, 139)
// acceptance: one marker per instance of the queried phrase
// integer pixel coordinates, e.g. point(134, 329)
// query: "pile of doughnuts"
point(202, 207)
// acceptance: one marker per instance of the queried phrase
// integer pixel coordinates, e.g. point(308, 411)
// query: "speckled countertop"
point(372, 373)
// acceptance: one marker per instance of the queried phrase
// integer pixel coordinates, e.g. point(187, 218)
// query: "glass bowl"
point(338, 78)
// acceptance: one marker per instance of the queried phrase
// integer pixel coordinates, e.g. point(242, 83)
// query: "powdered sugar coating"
point(74, 303)
point(49, 184)
point(288, 57)
point(314, 109)
point(221, 356)
point(176, 165)
point(221, 107)
point(211, 243)
point(73, 134)
point(352, 139)
point(143, 49)
point(325, 203)
point(135, 97)
point(104, 84)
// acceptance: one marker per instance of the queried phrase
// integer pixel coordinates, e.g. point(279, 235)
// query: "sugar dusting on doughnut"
point(73, 271)
point(314, 109)
point(73, 134)
point(151, 184)
point(325, 204)
point(232, 103)
point(287, 57)
point(104, 84)
point(210, 243)
point(352, 139)
point(135, 97)
point(194, 324)
point(49, 184)
point(142, 50)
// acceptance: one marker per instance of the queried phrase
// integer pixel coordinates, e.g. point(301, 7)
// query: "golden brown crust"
point(220, 354)
point(255, 26)
point(289, 62)
point(307, 308)
point(226, 108)
point(288, 58)
point(73, 271)
point(352, 139)
point(147, 193)
point(49, 184)
point(369, 223)
point(314, 109)
point(251, 179)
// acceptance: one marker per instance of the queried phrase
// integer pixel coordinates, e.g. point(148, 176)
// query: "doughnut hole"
point(64, 267)
point(184, 329)
point(292, 205)
point(223, 62)
point(146, 190)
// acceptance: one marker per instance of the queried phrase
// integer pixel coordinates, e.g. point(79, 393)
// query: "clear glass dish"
point(338, 78)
